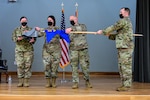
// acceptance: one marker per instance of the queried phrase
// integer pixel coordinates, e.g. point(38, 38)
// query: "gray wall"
point(96, 14)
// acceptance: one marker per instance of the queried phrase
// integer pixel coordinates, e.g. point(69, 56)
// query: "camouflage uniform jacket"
point(22, 45)
point(78, 41)
point(124, 33)
point(54, 44)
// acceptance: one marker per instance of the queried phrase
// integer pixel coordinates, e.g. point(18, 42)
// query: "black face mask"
point(49, 23)
point(120, 15)
point(72, 22)
point(24, 23)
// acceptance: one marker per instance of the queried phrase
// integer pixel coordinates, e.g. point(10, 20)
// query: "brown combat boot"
point(88, 84)
point(54, 82)
point(123, 88)
point(20, 83)
point(26, 82)
point(75, 85)
point(48, 83)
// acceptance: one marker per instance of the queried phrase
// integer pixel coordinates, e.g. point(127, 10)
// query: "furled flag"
point(76, 12)
point(64, 61)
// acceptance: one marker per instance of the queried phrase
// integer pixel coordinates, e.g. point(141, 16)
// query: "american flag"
point(64, 61)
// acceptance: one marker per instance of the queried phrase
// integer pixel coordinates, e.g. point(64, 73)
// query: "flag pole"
point(63, 73)
point(88, 32)
point(63, 77)
point(76, 14)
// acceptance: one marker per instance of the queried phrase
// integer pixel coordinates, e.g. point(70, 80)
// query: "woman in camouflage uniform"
point(23, 52)
point(51, 53)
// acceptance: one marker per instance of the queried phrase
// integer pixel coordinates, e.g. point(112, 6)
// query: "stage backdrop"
point(142, 44)
point(96, 14)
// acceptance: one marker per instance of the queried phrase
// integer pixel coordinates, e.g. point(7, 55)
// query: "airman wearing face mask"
point(23, 53)
point(124, 45)
point(51, 53)
point(78, 52)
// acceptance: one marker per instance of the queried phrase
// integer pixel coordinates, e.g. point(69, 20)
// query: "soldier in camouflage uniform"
point(51, 53)
point(78, 52)
point(23, 53)
point(124, 45)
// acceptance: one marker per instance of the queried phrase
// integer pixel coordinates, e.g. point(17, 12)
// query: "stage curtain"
point(142, 44)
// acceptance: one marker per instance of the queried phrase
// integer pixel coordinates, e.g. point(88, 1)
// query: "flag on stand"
point(64, 61)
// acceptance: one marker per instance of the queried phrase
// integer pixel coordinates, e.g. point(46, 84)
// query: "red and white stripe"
point(64, 61)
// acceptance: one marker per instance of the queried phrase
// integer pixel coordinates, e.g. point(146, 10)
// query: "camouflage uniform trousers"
point(24, 61)
point(79, 57)
point(51, 63)
point(125, 66)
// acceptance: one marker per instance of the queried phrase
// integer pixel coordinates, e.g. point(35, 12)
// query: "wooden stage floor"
point(104, 88)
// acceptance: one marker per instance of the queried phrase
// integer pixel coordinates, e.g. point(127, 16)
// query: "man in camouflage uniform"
point(78, 52)
point(23, 53)
point(124, 45)
point(51, 53)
